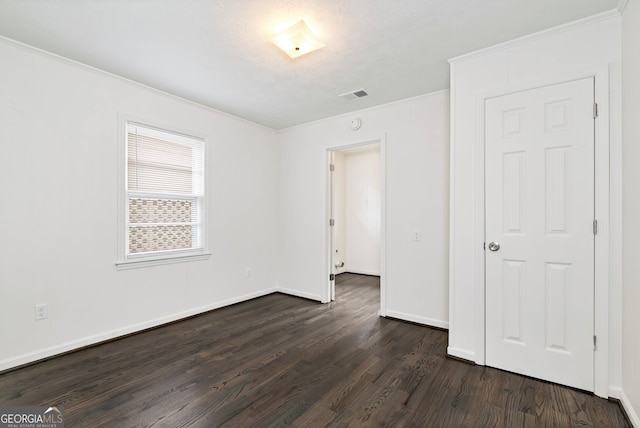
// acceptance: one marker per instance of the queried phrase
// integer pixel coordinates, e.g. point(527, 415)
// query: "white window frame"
point(126, 260)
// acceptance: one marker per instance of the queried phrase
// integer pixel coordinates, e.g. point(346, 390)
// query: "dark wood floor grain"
point(284, 361)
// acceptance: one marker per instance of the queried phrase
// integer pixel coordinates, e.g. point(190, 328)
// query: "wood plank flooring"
point(282, 361)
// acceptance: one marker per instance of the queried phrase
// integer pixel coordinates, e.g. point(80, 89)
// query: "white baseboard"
point(461, 353)
point(614, 392)
point(101, 337)
point(628, 408)
point(361, 272)
point(418, 319)
point(297, 293)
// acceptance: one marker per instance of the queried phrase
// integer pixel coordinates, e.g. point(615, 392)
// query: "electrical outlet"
point(248, 272)
point(417, 235)
point(42, 311)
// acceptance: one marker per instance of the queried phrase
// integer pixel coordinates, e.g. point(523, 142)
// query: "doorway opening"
point(355, 216)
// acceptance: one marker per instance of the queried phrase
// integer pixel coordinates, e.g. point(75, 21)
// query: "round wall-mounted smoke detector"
point(355, 124)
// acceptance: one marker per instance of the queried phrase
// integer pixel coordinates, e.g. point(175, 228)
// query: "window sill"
point(134, 264)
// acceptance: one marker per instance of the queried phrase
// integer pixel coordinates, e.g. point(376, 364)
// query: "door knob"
point(494, 246)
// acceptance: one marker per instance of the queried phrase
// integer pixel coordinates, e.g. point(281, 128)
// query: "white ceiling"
point(218, 53)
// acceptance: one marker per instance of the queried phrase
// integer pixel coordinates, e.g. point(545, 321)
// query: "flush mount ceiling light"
point(297, 40)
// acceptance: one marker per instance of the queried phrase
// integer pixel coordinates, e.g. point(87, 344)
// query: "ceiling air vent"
point(358, 93)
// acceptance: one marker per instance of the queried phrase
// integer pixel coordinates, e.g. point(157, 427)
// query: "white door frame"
point(602, 263)
point(326, 289)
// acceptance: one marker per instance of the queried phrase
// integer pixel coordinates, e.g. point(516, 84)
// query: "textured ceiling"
point(218, 53)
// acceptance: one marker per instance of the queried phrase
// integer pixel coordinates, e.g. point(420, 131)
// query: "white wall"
point(590, 46)
point(415, 149)
point(362, 212)
point(58, 192)
point(631, 211)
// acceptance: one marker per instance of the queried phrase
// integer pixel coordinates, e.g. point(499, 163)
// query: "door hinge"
point(595, 227)
point(595, 343)
point(484, 246)
point(332, 277)
point(332, 222)
point(595, 110)
point(332, 167)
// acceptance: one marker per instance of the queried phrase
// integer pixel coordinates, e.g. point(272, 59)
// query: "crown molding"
point(622, 4)
point(541, 34)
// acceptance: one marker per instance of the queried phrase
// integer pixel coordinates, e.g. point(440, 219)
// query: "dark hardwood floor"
point(284, 361)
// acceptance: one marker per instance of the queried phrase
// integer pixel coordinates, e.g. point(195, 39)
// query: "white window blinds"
point(165, 192)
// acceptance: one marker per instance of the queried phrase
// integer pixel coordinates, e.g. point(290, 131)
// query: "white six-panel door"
point(539, 190)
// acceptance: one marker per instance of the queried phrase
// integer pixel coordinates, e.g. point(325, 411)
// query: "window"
point(164, 202)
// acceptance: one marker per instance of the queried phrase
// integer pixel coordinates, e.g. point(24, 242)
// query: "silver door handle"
point(494, 246)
